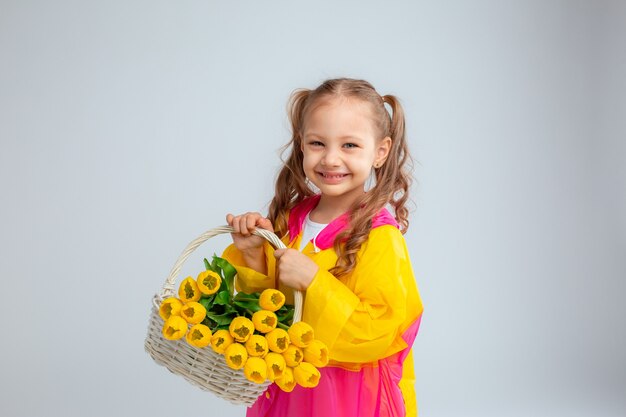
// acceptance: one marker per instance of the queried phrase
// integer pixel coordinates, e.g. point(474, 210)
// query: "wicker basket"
point(203, 367)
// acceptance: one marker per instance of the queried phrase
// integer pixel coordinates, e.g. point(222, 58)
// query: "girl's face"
point(340, 146)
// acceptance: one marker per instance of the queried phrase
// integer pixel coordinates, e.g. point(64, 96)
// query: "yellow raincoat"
point(365, 318)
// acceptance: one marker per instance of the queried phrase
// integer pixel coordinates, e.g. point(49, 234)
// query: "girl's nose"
point(330, 157)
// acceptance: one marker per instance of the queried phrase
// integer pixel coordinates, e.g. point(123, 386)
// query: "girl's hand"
point(295, 269)
point(251, 246)
point(244, 225)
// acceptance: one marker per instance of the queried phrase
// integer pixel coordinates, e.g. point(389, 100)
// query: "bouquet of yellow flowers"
point(233, 345)
point(251, 331)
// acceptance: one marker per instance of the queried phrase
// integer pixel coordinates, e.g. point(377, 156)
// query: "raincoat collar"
point(326, 237)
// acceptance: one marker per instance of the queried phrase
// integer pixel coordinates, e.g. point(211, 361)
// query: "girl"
point(345, 251)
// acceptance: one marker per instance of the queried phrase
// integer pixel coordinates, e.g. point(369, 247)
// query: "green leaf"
point(285, 316)
point(207, 265)
point(222, 298)
point(228, 273)
point(221, 319)
point(248, 305)
point(242, 296)
point(207, 302)
point(229, 308)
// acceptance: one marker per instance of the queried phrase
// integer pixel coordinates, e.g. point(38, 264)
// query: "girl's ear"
point(382, 151)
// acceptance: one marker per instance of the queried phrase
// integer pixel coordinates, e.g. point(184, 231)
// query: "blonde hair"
point(393, 178)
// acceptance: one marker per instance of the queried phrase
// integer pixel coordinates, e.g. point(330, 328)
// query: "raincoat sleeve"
point(362, 320)
point(249, 280)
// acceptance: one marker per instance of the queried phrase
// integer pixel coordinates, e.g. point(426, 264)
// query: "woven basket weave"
point(203, 367)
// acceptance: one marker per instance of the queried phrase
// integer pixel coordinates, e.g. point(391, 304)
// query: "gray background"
point(128, 128)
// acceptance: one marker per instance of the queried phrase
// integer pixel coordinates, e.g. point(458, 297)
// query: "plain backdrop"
point(130, 127)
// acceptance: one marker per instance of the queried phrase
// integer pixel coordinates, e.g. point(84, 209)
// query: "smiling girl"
point(347, 163)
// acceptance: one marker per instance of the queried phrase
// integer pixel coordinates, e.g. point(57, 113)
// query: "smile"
point(331, 175)
point(332, 178)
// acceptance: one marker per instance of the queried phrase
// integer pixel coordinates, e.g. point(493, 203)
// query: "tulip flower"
point(264, 321)
point(199, 336)
point(286, 382)
point(293, 356)
point(241, 328)
point(271, 299)
point(306, 375)
point(275, 365)
point(277, 340)
point(208, 282)
point(188, 290)
point(255, 370)
point(256, 345)
point(301, 334)
point(193, 312)
point(316, 354)
point(174, 328)
point(170, 307)
point(236, 356)
point(221, 340)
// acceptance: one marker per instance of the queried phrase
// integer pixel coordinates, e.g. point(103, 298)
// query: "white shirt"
point(310, 230)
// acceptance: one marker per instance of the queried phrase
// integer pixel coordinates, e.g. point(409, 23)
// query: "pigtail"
point(395, 174)
point(291, 187)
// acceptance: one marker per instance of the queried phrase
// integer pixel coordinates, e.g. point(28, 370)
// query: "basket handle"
point(168, 286)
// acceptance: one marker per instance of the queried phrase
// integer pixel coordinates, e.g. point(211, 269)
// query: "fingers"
point(245, 224)
point(251, 220)
point(265, 224)
point(279, 252)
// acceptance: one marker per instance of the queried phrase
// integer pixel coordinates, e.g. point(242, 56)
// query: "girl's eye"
point(316, 143)
point(350, 145)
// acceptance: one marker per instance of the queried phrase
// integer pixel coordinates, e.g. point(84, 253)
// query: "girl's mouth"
point(330, 177)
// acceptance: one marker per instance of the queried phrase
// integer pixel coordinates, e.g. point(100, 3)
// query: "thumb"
point(265, 224)
point(279, 252)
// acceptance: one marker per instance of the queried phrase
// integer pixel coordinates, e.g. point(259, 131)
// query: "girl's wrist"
point(306, 282)
point(255, 259)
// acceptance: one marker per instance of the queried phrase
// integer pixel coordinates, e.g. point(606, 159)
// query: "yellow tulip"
point(255, 370)
point(301, 334)
point(275, 365)
point(188, 290)
point(286, 382)
point(264, 321)
point(199, 336)
point(208, 282)
point(241, 328)
point(193, 312)
point(174, 328)
point(277, 340)
point(170, 307)
point(306, 375)
point(256, 345)
point(271, 299)
point(221, 340)
point(316, 354)
point(236, 356)
point(293, 356)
